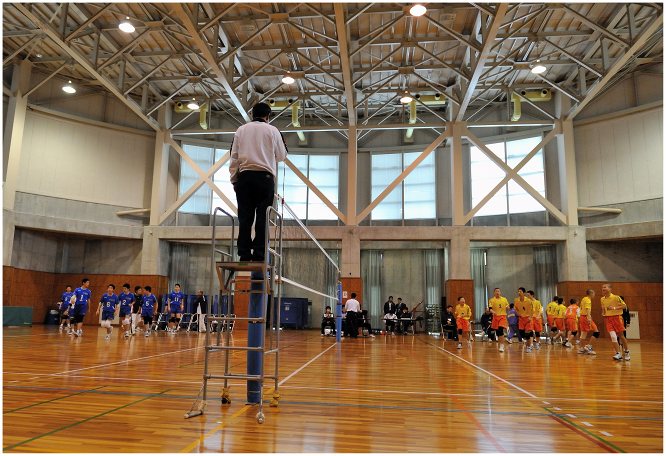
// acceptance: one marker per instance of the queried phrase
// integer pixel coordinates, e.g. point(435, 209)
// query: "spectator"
point(328, 320)
point(404, 317)
point(449, 323)
point(486, 320)
point(389, 306)
point(390, 319)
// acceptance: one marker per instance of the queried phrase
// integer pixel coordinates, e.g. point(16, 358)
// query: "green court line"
point(580, 428)
point(62, 428)
point(52, 400)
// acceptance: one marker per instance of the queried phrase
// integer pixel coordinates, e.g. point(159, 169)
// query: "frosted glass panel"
point(324, 173)
point(223, 180)
point(293, 189)
point(420, 188)
point(485, 176)
point(385, 168)
point(200, 202)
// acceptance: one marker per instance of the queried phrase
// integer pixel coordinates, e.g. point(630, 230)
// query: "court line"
point(560, 419)
point(52, 400)
point(68, 426)
point(245, 408)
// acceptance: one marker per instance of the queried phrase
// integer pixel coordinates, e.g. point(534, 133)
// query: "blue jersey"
point(175, 300)
point(66, 296)
point(82, 297)
point(148, 305)
point(126, 300)
point(109, 303)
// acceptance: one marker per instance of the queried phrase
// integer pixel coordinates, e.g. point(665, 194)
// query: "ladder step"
point(239, 377)
point(251, 319)
point(274, 253)
point(222, 347)
point(242, 266)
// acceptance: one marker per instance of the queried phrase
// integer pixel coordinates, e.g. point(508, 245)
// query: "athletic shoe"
point(591, 352)
point(127, 334)
point(509, 341)
point(577, 341)
point(528, 349)
point(147, 334)
point(107, 337)
point(537, 346)
point(501, 348)
point(626, 355)
point(617, 357)
point(568, 344)
point(459, 346)
point(582, 351)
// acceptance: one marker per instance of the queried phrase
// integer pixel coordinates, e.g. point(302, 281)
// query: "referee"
point(256, 149)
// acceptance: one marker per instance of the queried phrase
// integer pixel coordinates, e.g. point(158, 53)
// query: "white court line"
point(556, 408)
point(305, 365)
point(545, 402)
point(570, 415)
point(420, 393)
point(607, 434)
point(587, 424)
point(487, 372)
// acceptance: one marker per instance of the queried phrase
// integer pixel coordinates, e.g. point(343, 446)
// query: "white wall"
point(620, 159)
point(71, 160)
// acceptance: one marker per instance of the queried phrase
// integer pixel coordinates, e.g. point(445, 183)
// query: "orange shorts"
point(499, 320)
point(572, 324)
point(614, 323)
point(551, 321)
point(587, 325)
point(462, 324)
point(524, 323)
point(559, 324)
point(537, 324)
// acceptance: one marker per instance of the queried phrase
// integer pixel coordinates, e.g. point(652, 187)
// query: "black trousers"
point(351, 329)
point(327, 322)
point(254, 193)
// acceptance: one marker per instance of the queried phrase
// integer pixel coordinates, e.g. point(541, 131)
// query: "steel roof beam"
point(345, 61)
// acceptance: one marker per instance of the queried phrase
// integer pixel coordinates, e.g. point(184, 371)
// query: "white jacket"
point(257, 146)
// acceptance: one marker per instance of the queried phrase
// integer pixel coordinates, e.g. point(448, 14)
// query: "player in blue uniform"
point(63, 307)
point(126, 299)
point(176, 303)
point(148, 307)
point(136, 308)
point(80, 300)
point(108, 304)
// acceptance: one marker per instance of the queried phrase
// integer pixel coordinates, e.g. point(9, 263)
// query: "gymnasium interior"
point(435, 151)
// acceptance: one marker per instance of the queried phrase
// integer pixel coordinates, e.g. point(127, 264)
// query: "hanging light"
point(68, 88)
point(538, 68)
point(193, 105)
point(126, 26)
point(288, 79)
point(406, 98)
point(417, 10)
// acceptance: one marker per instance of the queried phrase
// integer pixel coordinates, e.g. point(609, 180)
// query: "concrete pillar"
point(15, 123)
point(567, 162)
point(154, 253)
point(160, 166)
point(457, 176)
point(459, 256)
point(572, 256)
point(352, 157)
point(8, 229)
point(350, 255)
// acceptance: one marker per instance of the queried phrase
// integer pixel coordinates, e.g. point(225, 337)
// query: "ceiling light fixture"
point(193, 105)
point(538, 68)
point(417, 10)
point(406, 98)
point(126, 26)
point(68, 88)
point(288, 79)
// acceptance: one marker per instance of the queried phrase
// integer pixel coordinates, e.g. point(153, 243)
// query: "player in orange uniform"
point(611, 308)
point(571, 321)
point(551, 313)
point(537, 319)
point(586, 324)
point(498, 305)
point(525, 309)
point(559, 320)
point(463, 314)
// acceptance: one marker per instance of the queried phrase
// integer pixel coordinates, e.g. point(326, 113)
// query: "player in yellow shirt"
point(611, 308)
point(586, 324)
point(498, 305)
point(559, 320)
point(551, 313)
point(463, 314)
point(571, 316)
point(525, 309)
point(537, 319)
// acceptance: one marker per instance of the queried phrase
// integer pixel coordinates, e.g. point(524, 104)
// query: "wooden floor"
point(386, 394)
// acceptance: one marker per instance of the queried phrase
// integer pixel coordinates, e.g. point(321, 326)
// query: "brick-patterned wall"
point(464, 288)
point(645, 298)
point(41, 290)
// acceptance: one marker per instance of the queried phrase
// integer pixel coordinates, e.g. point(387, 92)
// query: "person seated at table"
point(486, 320)
point(404, 319)
point(365, 323)
point(328, 320)
point(449, 323)
point(389, 319)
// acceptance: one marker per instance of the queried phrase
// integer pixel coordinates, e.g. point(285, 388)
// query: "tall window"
point(321, 170)
point(511, 198)
point(200, 202)
point(415, 197)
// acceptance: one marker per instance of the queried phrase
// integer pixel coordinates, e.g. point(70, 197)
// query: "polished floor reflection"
point(383, 394)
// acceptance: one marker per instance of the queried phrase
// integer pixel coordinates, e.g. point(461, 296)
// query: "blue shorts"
point(175, 309)
point(107, 316)
point(125, 311)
